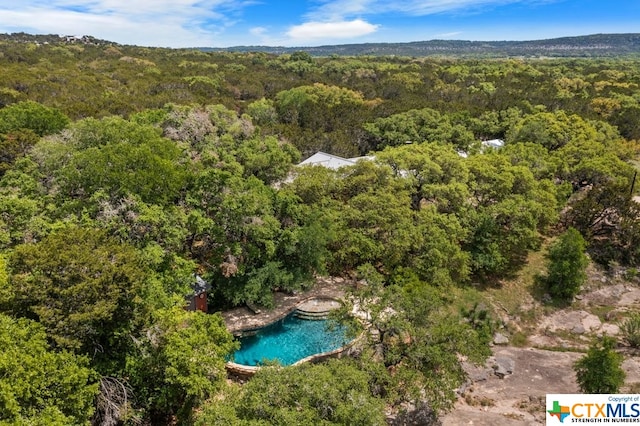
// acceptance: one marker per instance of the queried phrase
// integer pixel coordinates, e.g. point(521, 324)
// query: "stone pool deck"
point(244, 318)
point(317, 307)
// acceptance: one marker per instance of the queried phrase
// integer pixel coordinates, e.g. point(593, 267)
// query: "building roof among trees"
point(327, 160)
point(493, 143)
point(331, 161)
point(200, 286)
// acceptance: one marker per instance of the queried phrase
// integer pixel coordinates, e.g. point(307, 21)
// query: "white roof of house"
point(328, 160)
point(494, 143)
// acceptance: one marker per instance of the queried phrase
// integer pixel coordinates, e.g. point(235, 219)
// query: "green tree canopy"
point(323, 117)
point(263, 112)
point(307, 105)
point(435, 174)
point(121, 158)
point(551, 130)
point(29, 115)
point(267, 158)
point(179, 363)
point(82, 286)
point(567, 265)
point(418, 126)
point(418, 338)
point(14, 145)
point(600, 370)
point(257, 238)
point(608, 217)
point(511, 211)
point(37, 385)
point(331, 393)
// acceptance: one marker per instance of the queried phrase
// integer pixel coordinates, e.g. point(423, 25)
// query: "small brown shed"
point(198, 299)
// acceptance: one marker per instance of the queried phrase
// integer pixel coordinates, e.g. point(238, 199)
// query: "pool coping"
point(310, 315)
point(243, 318)
point(246, 371)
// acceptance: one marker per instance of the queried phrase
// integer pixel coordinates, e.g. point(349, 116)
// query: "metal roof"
point(200, 286)
point(327, 160)
point(494, 143)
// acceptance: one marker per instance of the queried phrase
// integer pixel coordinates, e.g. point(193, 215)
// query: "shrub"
point(630, 330)
point(479, 318)
point(600, 370)
point(567, 264)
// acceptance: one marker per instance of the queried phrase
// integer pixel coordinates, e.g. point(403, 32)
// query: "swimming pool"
point(289, 340)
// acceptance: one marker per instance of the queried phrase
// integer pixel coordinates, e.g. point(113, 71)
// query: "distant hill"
point(589, 46)
point(597, 45)
point(52, 39)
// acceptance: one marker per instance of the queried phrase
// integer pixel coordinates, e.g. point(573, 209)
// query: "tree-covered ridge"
point(594, 46)
point(588, 46)
point(125, 171)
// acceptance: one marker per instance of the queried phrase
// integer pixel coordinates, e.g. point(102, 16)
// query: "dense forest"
point(125, 170)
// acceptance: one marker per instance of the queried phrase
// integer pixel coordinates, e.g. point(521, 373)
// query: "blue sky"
point(224, 23)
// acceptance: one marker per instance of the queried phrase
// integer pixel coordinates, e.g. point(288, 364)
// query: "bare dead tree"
point(113, 403)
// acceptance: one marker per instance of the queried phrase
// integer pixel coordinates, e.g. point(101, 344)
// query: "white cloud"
point(421, 8)
point(258, 31)
point(262, 36)
point(333, 10)
point(311, 31)
point(448, 35)
point(175, 23)
point(341, 9)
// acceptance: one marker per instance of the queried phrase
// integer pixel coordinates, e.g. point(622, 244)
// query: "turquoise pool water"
point(290, 340)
